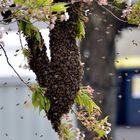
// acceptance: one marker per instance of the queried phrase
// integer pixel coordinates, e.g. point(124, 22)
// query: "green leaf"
point(43, 2)
point(25, 52)
point(84, 100)
point(59, 7)
point(78, 100)
point(22, 26)
point(40, 108)
point(94, 105)
point(38, 100)
point(35, 100)
point(47, 2)
point(80, 29)
point(18, 1)
point(104, 121)
point(101, 133)
point(38, 37)
point(42, 101)
point(28, 29)
point(48, 104)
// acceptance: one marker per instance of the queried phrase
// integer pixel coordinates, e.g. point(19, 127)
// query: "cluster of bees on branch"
point(62, 75)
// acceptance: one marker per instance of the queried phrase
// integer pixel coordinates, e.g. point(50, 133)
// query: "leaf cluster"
point(84, 100)
point(66, 131)
point(133, 16)
point(29, 30)
point(89, 114)
point(39, 10)
point(39, 100)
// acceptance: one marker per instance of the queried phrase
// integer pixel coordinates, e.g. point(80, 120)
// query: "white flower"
point(62, 17)
point(108, 131)
point(66, 16)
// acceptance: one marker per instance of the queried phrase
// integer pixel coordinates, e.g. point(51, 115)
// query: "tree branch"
point(20, 40)
point(112, 13)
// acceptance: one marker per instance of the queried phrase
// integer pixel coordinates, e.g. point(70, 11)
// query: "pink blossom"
point(102, 2)
point(126, 12)
point(52, 26)
point(90, 90)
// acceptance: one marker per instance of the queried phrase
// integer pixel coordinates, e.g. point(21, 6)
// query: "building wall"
point(18, 119)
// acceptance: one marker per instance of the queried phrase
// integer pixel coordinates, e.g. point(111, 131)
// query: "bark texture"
point(98, 54)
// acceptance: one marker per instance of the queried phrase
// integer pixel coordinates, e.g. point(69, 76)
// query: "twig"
point(20, 40)
point(7, 59)
point(111, 13)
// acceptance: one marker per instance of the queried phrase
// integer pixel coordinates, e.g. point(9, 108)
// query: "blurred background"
point(111, 53)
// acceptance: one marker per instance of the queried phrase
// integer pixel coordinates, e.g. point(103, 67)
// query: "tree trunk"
point(98, 53)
